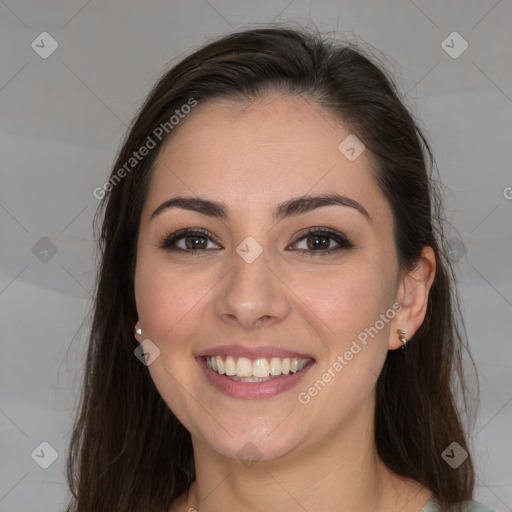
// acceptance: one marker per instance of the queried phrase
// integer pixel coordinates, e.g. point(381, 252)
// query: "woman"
point(274, 323)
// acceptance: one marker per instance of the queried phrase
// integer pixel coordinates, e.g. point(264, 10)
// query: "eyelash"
point(342, 241)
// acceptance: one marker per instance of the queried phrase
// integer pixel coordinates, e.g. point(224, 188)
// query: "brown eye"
point(322, 241)
point(319, 242)
point(195, 242)
point(188, 240)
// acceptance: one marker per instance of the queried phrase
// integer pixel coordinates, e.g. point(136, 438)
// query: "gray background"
point(62, 121)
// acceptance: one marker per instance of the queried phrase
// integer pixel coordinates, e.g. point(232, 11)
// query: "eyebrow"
point(294, 206)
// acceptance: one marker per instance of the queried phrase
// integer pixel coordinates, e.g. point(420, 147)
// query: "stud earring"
point(401, 337)
point(138, 330)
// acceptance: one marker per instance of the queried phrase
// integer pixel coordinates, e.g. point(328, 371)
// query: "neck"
point(342, 473)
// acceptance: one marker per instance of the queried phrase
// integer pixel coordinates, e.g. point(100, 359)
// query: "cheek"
point(349, 300)
point(353, 348)
point(169, 305)
point(165, 297)
point(353, 309)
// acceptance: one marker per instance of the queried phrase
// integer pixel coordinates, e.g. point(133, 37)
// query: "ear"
point(412, 295)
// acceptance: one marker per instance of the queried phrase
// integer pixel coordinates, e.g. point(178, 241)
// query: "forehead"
point(255, 154)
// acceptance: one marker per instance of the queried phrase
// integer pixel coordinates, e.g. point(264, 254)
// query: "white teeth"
point(251, 379)
point(243, 367)
point(229, 366)
point(220, 365)
point(275, 366)
point(258, 370)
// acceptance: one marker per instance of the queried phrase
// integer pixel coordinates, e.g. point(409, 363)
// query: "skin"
point(252, 156)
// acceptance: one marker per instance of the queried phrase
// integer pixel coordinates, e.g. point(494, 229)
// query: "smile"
point(252, 373)
point(261, 369)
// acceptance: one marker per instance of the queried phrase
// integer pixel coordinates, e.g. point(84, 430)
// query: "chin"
point(259, 440)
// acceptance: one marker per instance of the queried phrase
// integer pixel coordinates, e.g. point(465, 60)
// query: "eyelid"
point(341, 239)
point(320, 229)
point(168, 240)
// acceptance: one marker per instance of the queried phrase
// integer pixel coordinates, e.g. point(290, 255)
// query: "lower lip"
point(252, 390)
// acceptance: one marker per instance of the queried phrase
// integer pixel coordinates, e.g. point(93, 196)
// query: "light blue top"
point(471, 506)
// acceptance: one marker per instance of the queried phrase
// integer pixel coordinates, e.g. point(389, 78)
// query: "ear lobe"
point(137, 332)
point(413, 292)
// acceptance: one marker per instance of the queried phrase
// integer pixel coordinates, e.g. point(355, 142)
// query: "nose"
point(252, 295)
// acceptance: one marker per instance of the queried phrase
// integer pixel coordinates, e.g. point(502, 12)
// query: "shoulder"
point(475, 506)
point(470, 506)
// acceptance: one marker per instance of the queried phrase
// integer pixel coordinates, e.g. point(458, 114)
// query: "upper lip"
point(252, 352)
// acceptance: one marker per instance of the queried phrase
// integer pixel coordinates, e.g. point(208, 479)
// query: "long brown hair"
point(128, 451)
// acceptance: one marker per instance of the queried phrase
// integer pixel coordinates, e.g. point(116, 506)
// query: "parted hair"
point(128, 451)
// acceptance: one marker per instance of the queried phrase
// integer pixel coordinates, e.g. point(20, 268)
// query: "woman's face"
point(254, 291)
